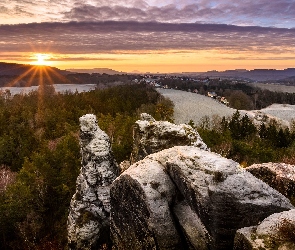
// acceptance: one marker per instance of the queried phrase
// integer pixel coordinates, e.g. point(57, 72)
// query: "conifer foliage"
point(240, 139)
point(39, 145)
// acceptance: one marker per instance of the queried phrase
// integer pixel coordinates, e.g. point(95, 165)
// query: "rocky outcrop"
point(275, 232)
point(187, 198)
point(88, 220)
point(280, 176)
point(151, 136)
point(140, 215)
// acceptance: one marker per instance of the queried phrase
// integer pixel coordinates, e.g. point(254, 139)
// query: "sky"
point(149, 36)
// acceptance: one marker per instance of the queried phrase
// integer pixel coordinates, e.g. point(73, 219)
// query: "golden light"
point(41, 59)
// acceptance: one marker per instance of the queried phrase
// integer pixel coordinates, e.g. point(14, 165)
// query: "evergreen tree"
point(262, 131)
point(235, 125)
point(247, 127)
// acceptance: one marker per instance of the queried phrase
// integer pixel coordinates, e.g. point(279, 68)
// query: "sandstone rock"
point(222, 198)
point(279, 176)
point(88, 220)
point(196, 234)
point(124, 165)
point(151, 136)
point(140, 214)
point(275, 232)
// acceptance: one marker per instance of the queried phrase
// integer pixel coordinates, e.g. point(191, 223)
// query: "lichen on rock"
point(151, 136)
point(220, 195)
point(279, 176)
point(88, 220)
point(275, 232)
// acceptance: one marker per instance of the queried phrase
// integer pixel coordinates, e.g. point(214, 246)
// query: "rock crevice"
point(175, 195)
point(219, 195)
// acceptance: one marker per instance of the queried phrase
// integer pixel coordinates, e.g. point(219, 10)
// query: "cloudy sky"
point(149, 35)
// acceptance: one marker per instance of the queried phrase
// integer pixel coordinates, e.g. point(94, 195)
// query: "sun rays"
point(42, 59)
point(37, 75)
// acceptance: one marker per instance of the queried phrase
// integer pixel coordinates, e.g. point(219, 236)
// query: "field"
point(275, 87)
point(191, 106)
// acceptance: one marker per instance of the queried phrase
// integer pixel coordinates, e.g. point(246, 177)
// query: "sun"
point(41, 59)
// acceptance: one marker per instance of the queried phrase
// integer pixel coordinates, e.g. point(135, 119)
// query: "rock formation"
point(187, 198)
point(151, 136)
point(174, 197)
point(88, 220)
point(279, 176)
point(275, 232)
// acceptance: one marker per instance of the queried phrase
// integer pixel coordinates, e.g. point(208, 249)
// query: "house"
point(212, 94)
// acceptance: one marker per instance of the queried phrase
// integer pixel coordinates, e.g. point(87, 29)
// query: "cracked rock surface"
point(88, 220)
point(151, 136)
point(187, 198)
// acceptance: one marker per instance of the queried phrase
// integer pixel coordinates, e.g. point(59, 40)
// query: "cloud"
point(4, 9)
point(168, 13)
point(279, 13)
point(124, 37)
point(80, 58)
point(265, 13)
point(257, 58)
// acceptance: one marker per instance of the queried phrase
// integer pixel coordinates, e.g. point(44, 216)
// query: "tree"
point(235, 126)
point(247, 127)
point(239, 100)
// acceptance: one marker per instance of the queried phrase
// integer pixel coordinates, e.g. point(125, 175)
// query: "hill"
point(191, 106)
point(253, 75)
point(22, 75)
point(13, 69)
point(96, 71)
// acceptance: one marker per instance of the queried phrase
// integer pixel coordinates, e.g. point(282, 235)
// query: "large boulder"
point(140, 215)
point(187, 198)
point(151, 136)
point(280, 176)
point(275, 232)
point(88, 220)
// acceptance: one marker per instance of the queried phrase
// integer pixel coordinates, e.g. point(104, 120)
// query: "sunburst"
point(42, 59)
point(38, 72)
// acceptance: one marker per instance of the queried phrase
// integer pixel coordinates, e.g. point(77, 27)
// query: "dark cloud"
point(110, 37)
point(168, 13)
point(280, 13)
point(3, 9)
point(266, 13)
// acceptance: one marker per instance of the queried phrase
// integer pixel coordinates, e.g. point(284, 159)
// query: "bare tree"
point(6, 177)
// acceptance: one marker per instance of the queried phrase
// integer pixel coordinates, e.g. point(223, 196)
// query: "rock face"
point(88, 220)
point(275, 232)
point(151, 136)
point(280, 176)
point(187, 198)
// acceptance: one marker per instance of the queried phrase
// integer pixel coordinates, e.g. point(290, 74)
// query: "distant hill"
point(97, 71)
point(254, 75)
point(21, 75)
point(13, 69)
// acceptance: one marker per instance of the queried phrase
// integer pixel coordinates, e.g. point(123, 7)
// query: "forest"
point(40, 154)
point(238, 138)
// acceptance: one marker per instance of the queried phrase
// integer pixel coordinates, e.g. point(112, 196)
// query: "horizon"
point(92, 70)
point(148, 36)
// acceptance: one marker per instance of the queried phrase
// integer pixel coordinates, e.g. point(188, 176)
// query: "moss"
point(287, 231)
